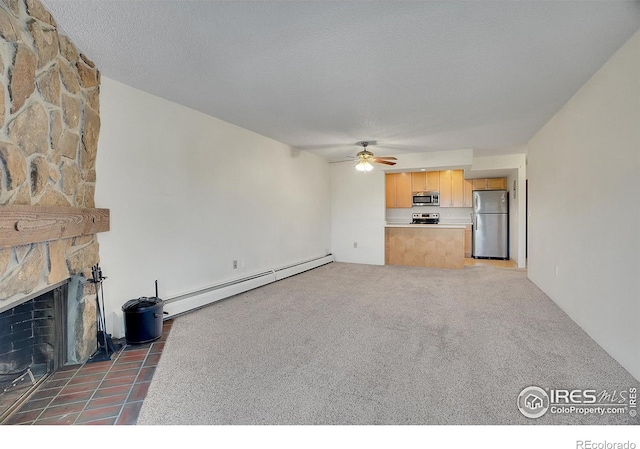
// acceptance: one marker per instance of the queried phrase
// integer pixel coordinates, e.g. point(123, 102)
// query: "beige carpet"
point(361, 344)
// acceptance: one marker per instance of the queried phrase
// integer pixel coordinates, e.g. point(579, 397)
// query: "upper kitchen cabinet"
point(398, 190)
point(490, 184)
point(425, 181)
point(452, 188)
point(468, 193)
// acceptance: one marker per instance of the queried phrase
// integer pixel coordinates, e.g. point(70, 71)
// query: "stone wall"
point(49, 126)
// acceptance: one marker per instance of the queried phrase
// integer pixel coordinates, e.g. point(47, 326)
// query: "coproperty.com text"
point(588, 410)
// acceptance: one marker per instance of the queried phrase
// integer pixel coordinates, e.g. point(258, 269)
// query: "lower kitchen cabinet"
point(467, 241)
point(437, 246)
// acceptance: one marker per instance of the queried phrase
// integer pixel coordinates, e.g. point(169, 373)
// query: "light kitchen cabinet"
point(452, 188)
point(490, 184)
point(425, 181)
point(455, 191)
point(468, 193)
point(418, 181)
point(480, 184)
point(445, 188)
point(467, 241)
point(398, 190)
point(437, 247)
point(433, 180)
point(497, 183)
point(457, 188)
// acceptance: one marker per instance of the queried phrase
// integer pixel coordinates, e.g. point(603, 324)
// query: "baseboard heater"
point(187, 302)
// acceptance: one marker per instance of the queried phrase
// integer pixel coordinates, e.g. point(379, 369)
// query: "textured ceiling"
point(323, 75)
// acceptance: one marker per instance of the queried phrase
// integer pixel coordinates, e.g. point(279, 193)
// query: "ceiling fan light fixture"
point(364, 166)
point(366, 159)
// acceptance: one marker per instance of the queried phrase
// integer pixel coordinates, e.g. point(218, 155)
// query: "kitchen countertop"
point(438, 226)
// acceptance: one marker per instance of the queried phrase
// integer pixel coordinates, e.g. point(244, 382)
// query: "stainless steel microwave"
point(431, 198)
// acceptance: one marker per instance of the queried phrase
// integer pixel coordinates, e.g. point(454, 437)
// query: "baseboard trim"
point(188, 302)
point(291, 270)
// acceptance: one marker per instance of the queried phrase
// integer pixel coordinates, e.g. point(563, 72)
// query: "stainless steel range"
point(428, 218)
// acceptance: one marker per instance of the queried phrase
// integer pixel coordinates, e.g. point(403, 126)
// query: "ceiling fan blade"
point(389, 158)
point(384, 162)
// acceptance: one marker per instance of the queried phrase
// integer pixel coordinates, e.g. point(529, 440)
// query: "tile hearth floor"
point(98, 393)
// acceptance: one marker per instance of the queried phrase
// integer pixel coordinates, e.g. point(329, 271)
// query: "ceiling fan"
point(366, 158)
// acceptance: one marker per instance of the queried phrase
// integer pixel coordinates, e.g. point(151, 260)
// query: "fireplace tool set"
point(105, 346)
point(24, 374)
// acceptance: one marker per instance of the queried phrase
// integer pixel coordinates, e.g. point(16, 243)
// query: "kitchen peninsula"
point(425, 245)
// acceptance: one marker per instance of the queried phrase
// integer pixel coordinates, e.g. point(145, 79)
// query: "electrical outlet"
point(355, 244)
point(556, 270)
point(235, 264)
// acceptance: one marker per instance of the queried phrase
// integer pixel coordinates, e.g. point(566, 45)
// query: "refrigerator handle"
point(475, 222)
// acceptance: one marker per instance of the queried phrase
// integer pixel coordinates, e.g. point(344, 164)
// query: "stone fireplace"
point(49, 126)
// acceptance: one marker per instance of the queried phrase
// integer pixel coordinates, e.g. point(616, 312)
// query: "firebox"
point(32, 345)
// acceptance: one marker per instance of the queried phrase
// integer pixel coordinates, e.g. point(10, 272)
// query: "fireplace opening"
point(32, 345)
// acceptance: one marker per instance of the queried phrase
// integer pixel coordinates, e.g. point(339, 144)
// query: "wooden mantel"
point(22, 225)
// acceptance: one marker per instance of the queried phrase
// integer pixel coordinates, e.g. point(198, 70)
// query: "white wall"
point(189, 193)
point(357, 214)
point(434, 160)
point(584, 192)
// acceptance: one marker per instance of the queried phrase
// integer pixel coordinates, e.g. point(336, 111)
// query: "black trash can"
point(142, 320)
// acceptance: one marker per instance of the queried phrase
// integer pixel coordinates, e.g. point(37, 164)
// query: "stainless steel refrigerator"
point(490, 224)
